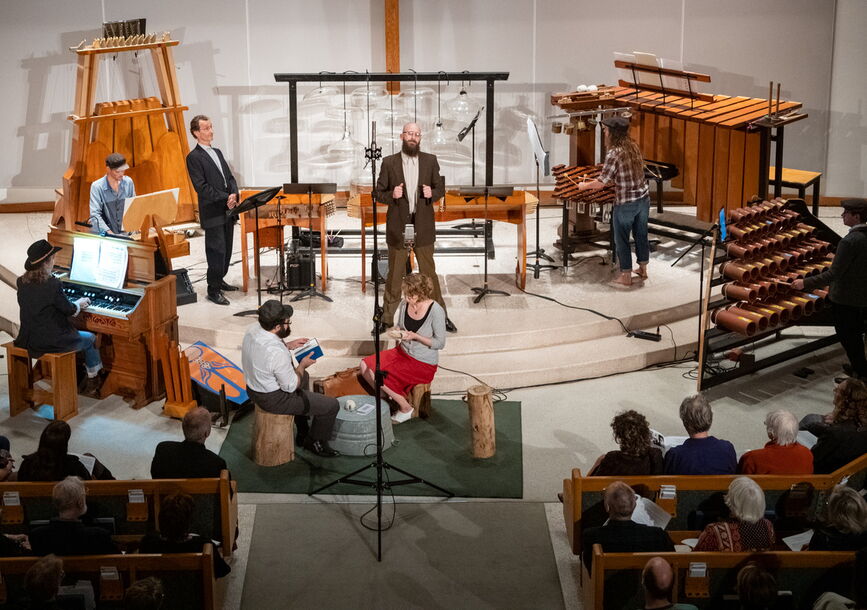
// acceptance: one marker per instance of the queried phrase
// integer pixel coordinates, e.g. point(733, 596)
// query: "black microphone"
point(463, 133)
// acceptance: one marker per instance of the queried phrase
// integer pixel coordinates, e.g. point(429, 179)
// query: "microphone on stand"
point(463, 133)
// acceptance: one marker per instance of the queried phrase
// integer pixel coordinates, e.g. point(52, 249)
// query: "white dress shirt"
point(268, 365)
point(410, 174)
point(213, 155)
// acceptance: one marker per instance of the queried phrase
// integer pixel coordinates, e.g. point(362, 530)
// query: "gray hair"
point(68, 494)
point(619, 500)
point(197, 425)
point(746, 500)
point(696, 414)
point(782, 427)
point(847, 510)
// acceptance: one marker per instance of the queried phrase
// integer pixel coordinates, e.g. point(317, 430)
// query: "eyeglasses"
point(416, 134)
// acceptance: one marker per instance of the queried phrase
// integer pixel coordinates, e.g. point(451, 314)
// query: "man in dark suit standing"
point(409, 182)
point(188, 459)
point(218, 192)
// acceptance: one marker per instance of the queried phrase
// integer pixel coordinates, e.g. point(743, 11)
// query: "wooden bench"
point(615, 581)
point(215, 515)
point(582, 496)
point(60, 367)
point(188, 578)
point(799, 179)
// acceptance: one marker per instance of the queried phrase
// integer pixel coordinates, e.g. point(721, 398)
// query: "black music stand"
point(320, 188)
point(470, 128)
point(541, 157)
point(254, 202)
point(487, 191)
point(373, 153)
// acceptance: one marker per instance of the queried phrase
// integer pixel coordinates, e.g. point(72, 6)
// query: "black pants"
point(218, 252)
point(849, 324)
point(323, 409)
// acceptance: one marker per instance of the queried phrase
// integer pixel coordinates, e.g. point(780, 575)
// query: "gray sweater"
point(434, 327)
point(848, 273)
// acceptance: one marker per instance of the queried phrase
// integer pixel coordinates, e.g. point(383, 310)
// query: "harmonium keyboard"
point(127, 320)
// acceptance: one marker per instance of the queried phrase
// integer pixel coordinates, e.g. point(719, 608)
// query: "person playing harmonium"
point(108, 196)
point(420, 326)
point(45, 314)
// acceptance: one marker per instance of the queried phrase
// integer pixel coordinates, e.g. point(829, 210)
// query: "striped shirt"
point(628, 185)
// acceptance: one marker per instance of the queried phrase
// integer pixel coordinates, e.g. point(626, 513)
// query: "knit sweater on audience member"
point(777, 459)
point(708, 455)
point(737, 536)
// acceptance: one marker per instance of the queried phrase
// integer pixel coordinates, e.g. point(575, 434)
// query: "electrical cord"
point(593, 311)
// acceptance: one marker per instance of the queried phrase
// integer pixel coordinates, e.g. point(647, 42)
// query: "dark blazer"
point(212, 191)
point(838, 445)
point(45, 312)
point(390, 176)
point(71, 538)
point(185, 460)
point(625, 537)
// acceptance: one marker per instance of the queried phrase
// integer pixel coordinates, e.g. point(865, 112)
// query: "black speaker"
point(379, 267)
point(184, 292)
point(300, 270)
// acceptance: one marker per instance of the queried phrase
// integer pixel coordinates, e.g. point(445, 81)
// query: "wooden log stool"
point(273, 438)
point(799, 179)
point(482, 427)
point(419, 398)
point(60, 367)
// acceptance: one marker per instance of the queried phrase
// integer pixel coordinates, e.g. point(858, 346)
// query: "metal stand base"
point(381, 486)
point(485, 291)
point(310, 291)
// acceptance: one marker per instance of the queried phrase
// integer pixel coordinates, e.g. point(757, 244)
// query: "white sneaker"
point(401, 416)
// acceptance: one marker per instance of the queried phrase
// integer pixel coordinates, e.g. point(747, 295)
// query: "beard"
point(409, 148)
point(283, 332)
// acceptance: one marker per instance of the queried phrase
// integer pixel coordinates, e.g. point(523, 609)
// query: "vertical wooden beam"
point(392, 42)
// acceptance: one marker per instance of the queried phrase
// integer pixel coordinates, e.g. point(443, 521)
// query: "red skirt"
point(404, 371)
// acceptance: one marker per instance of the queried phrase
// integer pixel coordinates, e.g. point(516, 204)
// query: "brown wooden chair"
point(59, 367)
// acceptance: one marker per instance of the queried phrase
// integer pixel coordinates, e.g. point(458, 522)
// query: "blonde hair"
point(850, 402)
point(418, 286)
point(847, 510)
point(40, 273)
point(746, 500)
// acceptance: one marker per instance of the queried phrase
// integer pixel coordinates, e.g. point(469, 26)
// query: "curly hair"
point(176, 516)
point(40, 273)
point(631, 432)
point(850, 402)
point(619, 138)
point(418, 286)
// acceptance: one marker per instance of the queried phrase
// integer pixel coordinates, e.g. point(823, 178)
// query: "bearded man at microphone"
point(409, 182)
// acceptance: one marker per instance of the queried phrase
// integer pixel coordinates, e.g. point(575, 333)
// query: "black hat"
point(38, 252)
point(859, 206)
point(273, 312)
point(618, 123)
point(116, 161)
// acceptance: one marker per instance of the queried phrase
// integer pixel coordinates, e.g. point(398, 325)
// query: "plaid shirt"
point(628, 185)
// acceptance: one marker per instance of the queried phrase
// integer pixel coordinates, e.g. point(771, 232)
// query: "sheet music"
point(99, 261)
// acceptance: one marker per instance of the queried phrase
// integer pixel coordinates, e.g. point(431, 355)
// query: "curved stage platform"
point(505, 341)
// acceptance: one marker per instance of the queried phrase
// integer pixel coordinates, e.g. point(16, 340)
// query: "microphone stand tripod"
point(539, 252)
point(495, 191)
point(471, 129)
point(372, 154)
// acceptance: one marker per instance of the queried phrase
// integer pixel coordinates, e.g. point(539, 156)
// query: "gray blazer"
point(434, 327)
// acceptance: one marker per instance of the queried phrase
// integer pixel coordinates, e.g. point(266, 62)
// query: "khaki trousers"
point(396, 272)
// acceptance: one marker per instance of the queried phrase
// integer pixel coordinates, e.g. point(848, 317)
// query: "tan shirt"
point(410, 174)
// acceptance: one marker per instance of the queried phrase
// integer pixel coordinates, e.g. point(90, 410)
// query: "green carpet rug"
point(436, 450)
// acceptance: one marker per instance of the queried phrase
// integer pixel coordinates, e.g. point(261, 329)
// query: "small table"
point(799, 179)
point(355, 433)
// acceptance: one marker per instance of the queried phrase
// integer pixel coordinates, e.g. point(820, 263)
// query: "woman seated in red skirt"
point(421, 326)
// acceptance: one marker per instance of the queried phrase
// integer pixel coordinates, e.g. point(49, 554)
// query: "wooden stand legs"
point(63, 395)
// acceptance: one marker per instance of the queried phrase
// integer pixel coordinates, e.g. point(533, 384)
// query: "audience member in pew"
point(746, 529)
point(756, 587)
point(842, 434)
point(144, 594)
point(845, 523)
point(657, 581)
point(858, 589)
point(52, 462)
point(701, 453)
point(783, 454)
point(45, 313)
point(636, 455)
point(620, 534)
point(279, 384)
point(7, 464)
point(42, 583)
point(188, 459)
point(175, 522)
point(66, 534)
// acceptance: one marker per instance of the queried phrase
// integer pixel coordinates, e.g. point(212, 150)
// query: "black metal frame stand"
point(539, 252)
point(320, 188)
point(487, 190)
point(373, 153)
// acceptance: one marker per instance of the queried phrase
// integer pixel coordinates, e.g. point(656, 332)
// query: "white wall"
point(230, 50)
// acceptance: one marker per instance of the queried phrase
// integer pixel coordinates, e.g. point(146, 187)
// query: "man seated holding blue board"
point(276, 380)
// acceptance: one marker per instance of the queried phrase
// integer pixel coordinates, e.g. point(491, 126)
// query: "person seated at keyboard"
point(45, 313)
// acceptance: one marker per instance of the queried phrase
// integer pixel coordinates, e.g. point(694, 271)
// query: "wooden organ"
point(149, 132)
point(127, 320)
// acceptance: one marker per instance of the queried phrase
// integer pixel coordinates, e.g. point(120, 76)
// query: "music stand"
point(254, 202)
point(470, 128)
point(542, 159)
point(320, 188)
point(487, 191)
